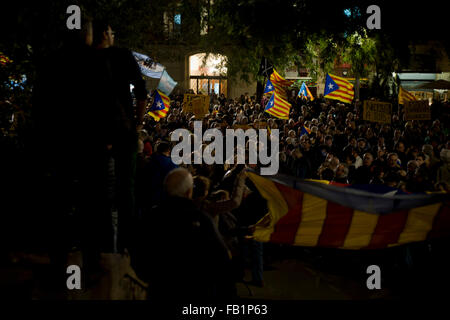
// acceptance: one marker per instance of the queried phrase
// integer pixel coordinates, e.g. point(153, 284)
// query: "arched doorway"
point(209, 77)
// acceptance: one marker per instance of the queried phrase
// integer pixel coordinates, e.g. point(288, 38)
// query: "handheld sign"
point(376, 111)
point(197, 104)
point(417, 110)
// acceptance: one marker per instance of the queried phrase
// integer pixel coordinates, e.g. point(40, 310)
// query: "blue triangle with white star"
point(330, 85)
point(158, 103)
point(269, 87)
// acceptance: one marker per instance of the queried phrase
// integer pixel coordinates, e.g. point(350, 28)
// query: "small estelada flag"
point(160, 106)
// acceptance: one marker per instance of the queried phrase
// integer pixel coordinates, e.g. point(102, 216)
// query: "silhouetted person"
point(69, 141)
point(122, 122)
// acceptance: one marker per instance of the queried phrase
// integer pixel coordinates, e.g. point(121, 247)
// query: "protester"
point(70, 142)
point(180, 252)
point(122, 122)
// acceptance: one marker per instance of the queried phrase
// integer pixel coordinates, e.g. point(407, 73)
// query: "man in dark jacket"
point(121, 121)
point(180, 252)
point(364, 174)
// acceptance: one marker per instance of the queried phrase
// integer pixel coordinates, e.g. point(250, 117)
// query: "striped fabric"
point(404, 96)
point(278, 105)
point(301, 218)
point(160, 106)
point(4, 59)
point(338, 88)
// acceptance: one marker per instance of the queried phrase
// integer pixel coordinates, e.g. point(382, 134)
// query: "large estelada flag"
point(278, 105)
point(338, 88)
point(404, 96)
point(160, 106)
point(310, 213)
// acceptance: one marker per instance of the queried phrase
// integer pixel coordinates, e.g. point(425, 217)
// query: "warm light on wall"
point(214, 65)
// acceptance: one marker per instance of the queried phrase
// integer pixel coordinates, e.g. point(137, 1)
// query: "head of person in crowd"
point(179, 183)
point(327, 174)
point(103, 34)
point(385, 129)
point(369, 133)
point(445, 155)
point(291, 134)
point(341, 171)
point(329, 141)
point(395, 118)
point(163, 148)
point(201, 188)
point(422, 159)
point(378, 175)
point(352, 142)
point(411, 167)
point(413, 152)
point(367, 159)
point(428, 150)
point(171, 118)
point(400, 147)
point(349, 157)
point(334, 163)
point(381, 142)
point(291, 123)
point(143, 135)
point(362, 143)
point(392, 160)
point(397, 134)
point(330, 156)
point(305, 143)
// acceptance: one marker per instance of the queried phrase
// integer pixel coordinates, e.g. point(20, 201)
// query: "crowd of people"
point(188, 227)
point(340, 147)
point(413, 156)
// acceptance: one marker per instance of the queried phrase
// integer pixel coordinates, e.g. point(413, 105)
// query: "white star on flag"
point(158, 104)
point(269, 86)
point(330, 86)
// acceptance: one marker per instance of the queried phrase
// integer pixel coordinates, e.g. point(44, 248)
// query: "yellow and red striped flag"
point(404, 96)
point(338, 88)
point(308, 213)
point(278, 105)
point(160, 106)
point(4, 59)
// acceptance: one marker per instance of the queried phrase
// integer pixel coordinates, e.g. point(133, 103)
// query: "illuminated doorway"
point(207, 77)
